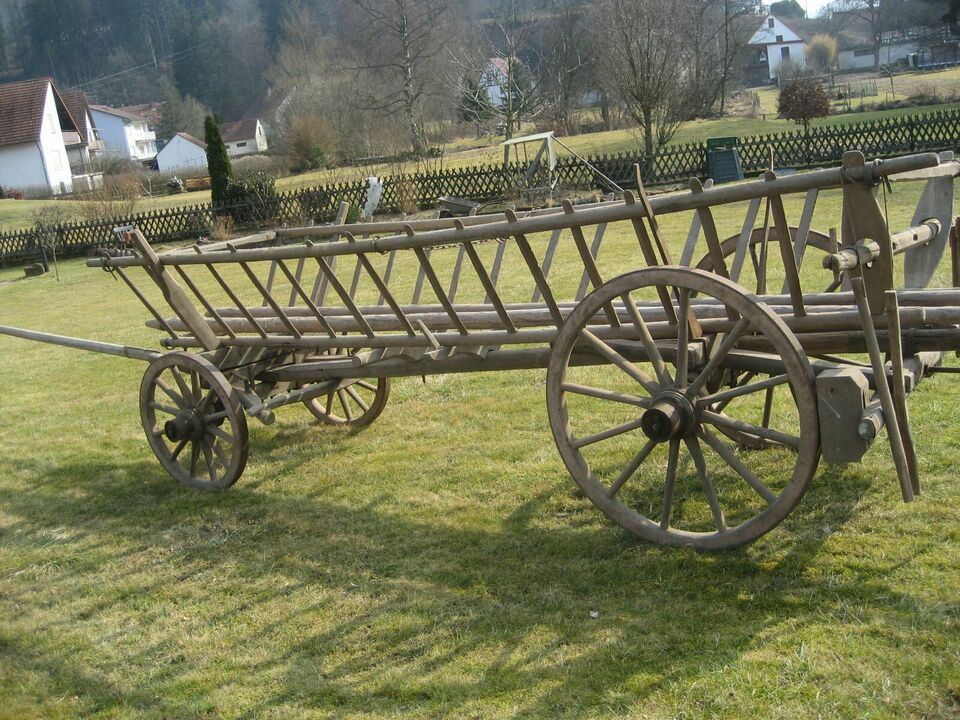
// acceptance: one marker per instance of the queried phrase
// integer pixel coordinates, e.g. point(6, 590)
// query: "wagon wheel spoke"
point(209, 461)
point(221, 454)
point(683, 336)
point(185, 391)
point(367, 386)
point(717, 357)
point(357, 399)
point(207, 399)
point(215, 417)
point(709, 489)
point(631, 468)
point(194, 457)
point(195, 385)
point(632, 371)
point(767, 407)
point(604, 394)
point(171, 393)
point(219, 434)
point(164, 408)
point(669, 484)
point(720, 399)
point(727, 423)
point(730, 457)
point(345, 404)
point(607, 434)
point(649, 345)
point(178, 449)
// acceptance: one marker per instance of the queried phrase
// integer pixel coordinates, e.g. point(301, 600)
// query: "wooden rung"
point(548, 260)
point(382, 286)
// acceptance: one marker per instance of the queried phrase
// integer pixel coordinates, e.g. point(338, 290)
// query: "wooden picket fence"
point(885, 137)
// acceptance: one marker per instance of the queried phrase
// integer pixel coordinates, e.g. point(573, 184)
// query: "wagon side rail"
point(305, 320)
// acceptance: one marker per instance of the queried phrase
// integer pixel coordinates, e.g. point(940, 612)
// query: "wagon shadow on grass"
point(435, 615)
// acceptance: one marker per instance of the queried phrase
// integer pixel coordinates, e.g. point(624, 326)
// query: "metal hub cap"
point(670, 416)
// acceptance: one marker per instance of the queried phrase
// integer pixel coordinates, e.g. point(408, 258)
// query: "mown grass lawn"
point(439, 563)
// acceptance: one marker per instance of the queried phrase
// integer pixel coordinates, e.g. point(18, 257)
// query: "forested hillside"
point(357, 78)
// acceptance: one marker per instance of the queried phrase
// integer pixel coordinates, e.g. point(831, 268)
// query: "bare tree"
point(567, 59)
point(398, 41)
point(505, 60)
point(642, 49)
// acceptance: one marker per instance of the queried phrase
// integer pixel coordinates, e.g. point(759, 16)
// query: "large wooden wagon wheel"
point(357, 403)
point(759, 263)
point(648, 435)
point(194, 421)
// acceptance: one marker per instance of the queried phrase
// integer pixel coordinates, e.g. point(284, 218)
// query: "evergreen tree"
point(218, 162)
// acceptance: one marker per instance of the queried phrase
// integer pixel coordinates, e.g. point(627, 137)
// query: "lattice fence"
point(885, 137)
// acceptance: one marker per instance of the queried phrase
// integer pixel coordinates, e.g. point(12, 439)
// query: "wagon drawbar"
point(689, 400)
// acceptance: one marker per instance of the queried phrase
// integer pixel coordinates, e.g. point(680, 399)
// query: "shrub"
point(116, 198)
point(308, 142)
point(251, 199)
point(803, 99)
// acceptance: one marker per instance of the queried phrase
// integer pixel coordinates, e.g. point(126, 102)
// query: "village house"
point(36, 130)
point(183, 154)
point(124, 133)
point(244, 137)
point(84, 145)
point(771, 45)
point(493, 80)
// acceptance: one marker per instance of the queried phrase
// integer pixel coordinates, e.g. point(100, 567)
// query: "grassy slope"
point(440, 562)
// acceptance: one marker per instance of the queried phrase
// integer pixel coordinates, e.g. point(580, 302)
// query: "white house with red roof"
point(183, 154)
point(34, 121)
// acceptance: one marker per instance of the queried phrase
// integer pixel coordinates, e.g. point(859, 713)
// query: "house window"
point(863, 53)
point(784, 53)
point(52, 123)
point(240, 145)
point(770, 23)
point(779, 38)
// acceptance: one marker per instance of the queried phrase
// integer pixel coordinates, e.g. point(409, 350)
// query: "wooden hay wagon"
point(689, 408)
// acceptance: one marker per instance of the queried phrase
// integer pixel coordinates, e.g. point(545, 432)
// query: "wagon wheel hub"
point(671, 415)
point(187, 425)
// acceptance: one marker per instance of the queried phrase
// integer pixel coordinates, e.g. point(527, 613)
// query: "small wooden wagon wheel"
point(357, 403)
point(194, 421)
point(815, 240)
point(647, 437)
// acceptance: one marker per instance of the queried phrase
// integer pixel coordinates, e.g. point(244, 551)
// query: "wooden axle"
point(868, 250)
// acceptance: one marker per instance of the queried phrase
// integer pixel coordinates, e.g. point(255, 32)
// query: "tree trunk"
point(409, 97)
point(647, 132)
